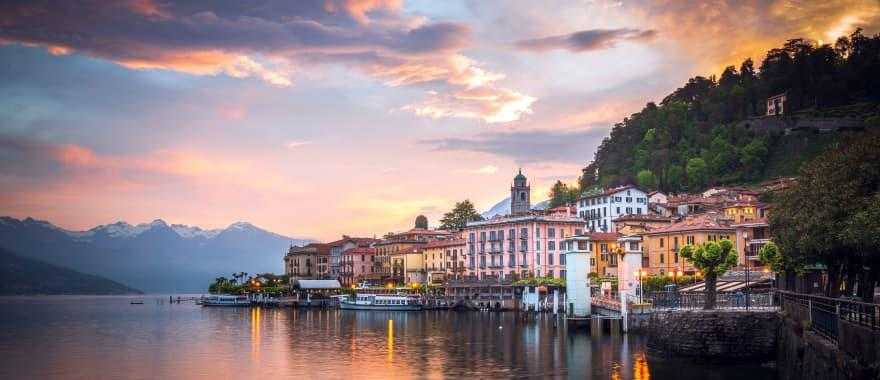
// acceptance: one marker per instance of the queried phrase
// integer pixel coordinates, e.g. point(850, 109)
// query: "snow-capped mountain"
point(155, 256)
point(503, 208)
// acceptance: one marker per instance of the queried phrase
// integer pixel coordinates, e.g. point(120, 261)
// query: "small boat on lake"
point(380, 302)
point(225, 300)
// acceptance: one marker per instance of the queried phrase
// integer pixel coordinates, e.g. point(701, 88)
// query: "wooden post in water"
point(596, 326)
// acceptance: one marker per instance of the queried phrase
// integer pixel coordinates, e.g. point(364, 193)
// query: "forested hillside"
point(697, 136)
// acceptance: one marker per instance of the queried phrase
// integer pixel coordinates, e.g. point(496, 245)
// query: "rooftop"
point(551, 218)
point(709, 221)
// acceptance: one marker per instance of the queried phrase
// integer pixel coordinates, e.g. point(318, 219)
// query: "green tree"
point(753, 157)
point(674, 178)
point(713, 258)
point(646, 180)
point(697, 173)
point(562, 194)
point(461, 214)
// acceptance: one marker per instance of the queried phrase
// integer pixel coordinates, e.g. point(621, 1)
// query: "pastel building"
point(444, 259)
point(311, 261)
point(356, 264)
point(662, 245)
point(519, 245)
point(600, 207)
point(340, 246)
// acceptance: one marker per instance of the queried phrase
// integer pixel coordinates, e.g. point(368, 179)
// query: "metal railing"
point(824, 314)
point(723, 300)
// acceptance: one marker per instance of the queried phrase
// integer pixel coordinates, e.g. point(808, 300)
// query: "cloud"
point(528, 147)
point(296, 144)
point(269, 40)
point(488, 169)
point(586, 40)
point(492, 105)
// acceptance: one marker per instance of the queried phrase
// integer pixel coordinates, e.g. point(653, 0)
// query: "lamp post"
point(746, 254)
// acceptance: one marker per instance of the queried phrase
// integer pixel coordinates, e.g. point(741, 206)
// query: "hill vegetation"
point(23, 276)
point(695, 137)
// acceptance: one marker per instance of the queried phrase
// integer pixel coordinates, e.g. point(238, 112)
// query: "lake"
point(107, 338)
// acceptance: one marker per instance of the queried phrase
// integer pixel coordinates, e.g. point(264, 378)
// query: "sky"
point(316, 118)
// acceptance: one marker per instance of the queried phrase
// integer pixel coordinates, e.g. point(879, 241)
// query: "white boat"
point(380, 302)
point(225, 300)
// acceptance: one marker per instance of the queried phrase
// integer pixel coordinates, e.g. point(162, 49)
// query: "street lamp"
point(746, 256)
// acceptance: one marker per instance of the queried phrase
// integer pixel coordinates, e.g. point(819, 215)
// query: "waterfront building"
point(339, 246)
point(634, 224)
point(662, 244)
point(356, 264)
point(579, 263)
point(518, 246)
point(600, 207)
point(311, 261)
point(751, 235)
point(603, 246)
point(444, 259)
point(408, 265)
point(399, 244)
point(520, 195)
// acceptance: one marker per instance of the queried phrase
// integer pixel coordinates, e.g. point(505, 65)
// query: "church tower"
point(520, 194)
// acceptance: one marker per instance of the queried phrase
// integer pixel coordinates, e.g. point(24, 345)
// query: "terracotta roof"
point(359, 251)
point(603, 235)
point(357, 240)
point(699, 222)
point(444, 243)
point(642, 218)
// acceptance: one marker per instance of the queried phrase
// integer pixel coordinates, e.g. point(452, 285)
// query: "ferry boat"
point(225, 300)
point(380, 302)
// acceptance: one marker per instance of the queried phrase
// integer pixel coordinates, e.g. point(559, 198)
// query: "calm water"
point(107, 338)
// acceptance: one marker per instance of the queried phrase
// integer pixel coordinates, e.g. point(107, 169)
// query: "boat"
point(380, 302)
point(225, 300)
point(136, 302)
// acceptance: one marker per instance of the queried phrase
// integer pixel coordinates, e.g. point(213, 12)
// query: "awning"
point(317, 284)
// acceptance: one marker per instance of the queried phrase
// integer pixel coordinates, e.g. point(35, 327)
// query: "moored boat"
point(225, 300)
point(380, 302)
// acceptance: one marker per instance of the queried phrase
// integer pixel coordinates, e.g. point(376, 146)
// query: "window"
point(537, 259)
point(638, 210)
point(537, 232)
point(524, 232)
point(550, 259)
point(675, 242)
point(690, 239)
point(561, 259)
point(483, 236)
point(551, 245)
point(471, 237)
point(551, 232)
point(618, 210)
point(661, 242)
point(629, 210)
point(537, 245)
point(661, 258)
point(550, 273)
point(676, 257)
point(562, 274)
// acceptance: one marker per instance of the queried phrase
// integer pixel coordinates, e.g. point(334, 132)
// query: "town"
point(617, 232)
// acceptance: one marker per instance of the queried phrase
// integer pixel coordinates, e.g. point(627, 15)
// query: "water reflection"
point(107, 338)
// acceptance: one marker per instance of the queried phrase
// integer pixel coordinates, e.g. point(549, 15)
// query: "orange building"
point(662, 244)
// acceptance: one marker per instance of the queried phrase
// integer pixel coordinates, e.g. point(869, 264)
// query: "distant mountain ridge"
point(24, 276)
point(153, 257)
point(503, 208)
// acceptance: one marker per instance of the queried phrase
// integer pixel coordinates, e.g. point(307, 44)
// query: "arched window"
point(522, 196)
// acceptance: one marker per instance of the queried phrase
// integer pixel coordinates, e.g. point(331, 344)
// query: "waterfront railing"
point(824, 314)
point(723, 300)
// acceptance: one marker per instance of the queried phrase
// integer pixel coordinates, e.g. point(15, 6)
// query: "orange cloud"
point(487, 103)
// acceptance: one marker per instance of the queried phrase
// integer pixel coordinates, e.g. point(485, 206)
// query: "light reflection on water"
point(105, 337)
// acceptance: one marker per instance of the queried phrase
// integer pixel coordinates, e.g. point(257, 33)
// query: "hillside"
point(155, 257)
point(712, 131)
point(23, 276)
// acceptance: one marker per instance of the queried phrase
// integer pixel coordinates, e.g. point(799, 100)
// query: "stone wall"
point(803, 354)
point(714, 335)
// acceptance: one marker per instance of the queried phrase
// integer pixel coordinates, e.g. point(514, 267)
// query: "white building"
point(577, 285)
point(599, 208)
point(657, 197)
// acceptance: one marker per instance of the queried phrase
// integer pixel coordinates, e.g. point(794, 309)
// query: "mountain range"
point(503, 208)
point(154, 257)
point(23, 276)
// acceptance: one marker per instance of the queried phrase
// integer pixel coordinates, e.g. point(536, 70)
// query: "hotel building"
point(600, 208)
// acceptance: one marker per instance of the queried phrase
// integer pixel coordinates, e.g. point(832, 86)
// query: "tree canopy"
point(561, 194)
point(460, 215)
point(832, 217)
point(712, 258)
point(694, 137)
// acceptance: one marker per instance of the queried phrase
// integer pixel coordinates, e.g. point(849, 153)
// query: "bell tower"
point(520, 195)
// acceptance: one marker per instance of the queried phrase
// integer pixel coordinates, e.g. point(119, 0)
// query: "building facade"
point(356, 264)
point(526, 245)
point(340, 246)
point(662, 245)
point(444, 259)
point(408, 265)
point(308, 262)
point(636, 224)
point(600, 208)
point(396, 244)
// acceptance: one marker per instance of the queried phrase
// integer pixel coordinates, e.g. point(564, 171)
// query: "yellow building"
point(603, 247)
point(444, 259)
point(662, 244)
point(637, 224)
point(741, 212)
point(408, 265)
